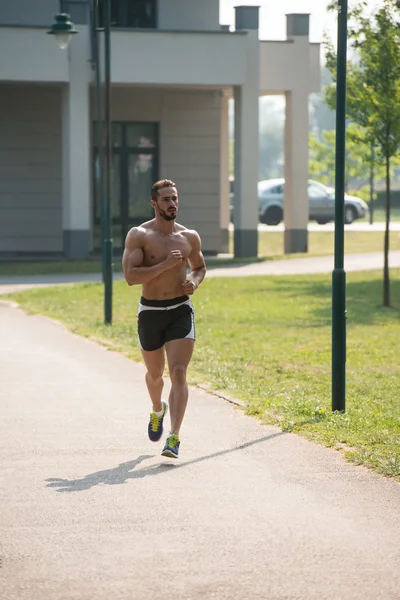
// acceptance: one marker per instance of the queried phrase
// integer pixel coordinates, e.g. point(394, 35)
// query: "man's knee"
point(178, 373)
point(154, 375)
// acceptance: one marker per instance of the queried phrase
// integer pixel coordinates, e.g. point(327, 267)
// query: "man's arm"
point(197, 265)
point(132, 260)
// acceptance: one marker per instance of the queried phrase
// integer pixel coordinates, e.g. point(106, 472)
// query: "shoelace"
point(173, 440)
point(155, 421)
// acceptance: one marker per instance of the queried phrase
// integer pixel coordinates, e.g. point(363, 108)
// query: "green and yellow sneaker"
point(171, 448)
point(155, 427)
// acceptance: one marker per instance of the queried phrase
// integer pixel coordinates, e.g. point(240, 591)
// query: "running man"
point(156, 256)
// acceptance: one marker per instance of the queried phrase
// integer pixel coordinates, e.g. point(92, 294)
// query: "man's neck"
point(165, 227)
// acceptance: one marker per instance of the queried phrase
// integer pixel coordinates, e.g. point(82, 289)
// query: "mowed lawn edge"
point(267, 342)
point(270, 248)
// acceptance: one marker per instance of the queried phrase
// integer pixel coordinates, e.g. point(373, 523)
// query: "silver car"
point(321, 203)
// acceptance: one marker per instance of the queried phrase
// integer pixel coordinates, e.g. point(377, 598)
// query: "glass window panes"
point(116, 138)
point(141, 135)
point(141, 174)
point(116, 186)
point(141, 13)
point(131, 13)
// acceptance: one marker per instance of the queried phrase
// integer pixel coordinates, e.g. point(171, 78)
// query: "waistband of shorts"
point(163, 303)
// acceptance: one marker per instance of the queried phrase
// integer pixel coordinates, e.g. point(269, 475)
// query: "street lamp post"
point(338, 274)
point(63, 29)
point(107, 217)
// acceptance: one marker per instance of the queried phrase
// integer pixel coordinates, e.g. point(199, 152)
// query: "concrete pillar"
point(224, 175)
point(296, 172)
point(76, 170)
point(296, 142)
point(247, 140)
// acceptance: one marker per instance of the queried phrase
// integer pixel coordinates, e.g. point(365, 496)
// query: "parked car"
point(321, 203)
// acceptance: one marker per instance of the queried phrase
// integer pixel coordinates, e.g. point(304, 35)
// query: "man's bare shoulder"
point(190, 234)
point(140, 231)
point(135, 236)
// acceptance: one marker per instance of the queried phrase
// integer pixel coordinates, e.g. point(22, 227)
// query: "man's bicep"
point(133, 253)
point(134, 258)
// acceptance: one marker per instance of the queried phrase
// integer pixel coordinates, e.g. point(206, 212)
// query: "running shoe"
point(155, 427)
point(171, 448)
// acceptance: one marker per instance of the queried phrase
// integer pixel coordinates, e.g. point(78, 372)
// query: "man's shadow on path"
point(125, 471)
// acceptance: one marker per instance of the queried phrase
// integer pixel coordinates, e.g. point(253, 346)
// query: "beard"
point(167, 216)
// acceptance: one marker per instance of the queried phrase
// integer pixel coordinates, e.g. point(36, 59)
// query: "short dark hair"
point(159, 185)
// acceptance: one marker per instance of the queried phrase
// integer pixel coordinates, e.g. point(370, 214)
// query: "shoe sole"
point(162, 430)
point(169, 454)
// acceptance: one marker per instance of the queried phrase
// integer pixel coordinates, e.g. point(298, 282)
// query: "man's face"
point(167, 203)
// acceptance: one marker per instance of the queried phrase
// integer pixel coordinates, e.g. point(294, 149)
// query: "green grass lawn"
point(322, 243)
point(267, 342)
point(270, 248)
point(379, 214)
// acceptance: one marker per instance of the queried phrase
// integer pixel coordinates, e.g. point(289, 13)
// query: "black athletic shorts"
point(161, 321)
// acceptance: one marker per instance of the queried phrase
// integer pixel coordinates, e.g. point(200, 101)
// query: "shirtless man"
point(156, 256)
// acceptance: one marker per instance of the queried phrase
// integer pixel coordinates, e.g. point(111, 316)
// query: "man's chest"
point(157, 248)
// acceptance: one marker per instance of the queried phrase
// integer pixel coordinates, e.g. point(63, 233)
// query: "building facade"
point(173, 70)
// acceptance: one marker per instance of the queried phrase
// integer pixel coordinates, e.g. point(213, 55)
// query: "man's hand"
point(188, 287)
point(174, 257)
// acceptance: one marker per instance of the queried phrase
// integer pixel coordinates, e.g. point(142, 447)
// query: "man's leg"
point(155, 362)
point(179, 352)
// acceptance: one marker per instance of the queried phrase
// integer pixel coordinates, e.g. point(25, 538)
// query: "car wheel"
point(322, 221)
point(273, 216)
point(349, 215)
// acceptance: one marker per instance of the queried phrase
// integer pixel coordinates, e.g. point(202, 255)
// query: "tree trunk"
point(386, 283)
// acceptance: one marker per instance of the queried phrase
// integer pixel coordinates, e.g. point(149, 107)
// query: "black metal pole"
point(99, 143)
point(338, 274)
point(107, 226)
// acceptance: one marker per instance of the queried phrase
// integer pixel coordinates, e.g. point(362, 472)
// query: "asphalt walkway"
point(91, 511)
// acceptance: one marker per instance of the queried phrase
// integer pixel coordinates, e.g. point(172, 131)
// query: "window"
point(265, 188)
point(278, 189)
point(134, 169)
point(135, 14)
point(315, 191)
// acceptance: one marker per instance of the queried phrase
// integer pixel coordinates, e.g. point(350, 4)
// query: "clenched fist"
point(174, 257)
point(189, 287)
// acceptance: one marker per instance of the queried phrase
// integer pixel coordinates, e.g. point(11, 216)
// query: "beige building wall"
point(189, 148)
point(31, 159)
point(30, 169)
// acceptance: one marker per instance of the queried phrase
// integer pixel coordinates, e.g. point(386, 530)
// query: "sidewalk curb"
point(211, 392)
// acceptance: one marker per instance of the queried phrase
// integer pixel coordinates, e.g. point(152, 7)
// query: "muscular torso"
point(156, 247)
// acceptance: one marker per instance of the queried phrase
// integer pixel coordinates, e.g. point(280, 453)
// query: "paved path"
point(294, 266)
point(91, 511)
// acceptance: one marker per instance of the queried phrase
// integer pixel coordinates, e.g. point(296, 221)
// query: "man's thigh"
point(154, 361)
point(179, 352)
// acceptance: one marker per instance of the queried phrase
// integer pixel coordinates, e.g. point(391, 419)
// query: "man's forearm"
point(197, 275)
point(137, 275)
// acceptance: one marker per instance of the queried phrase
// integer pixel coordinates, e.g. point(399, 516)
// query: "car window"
point(266, 188)
point(315, 191)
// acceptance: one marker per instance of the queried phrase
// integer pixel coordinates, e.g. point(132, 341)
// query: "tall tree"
point(358, 158)
point(373, 89)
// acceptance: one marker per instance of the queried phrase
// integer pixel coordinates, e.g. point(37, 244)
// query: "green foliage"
point(358, 158)
point(373, 89)
point(373, 78)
